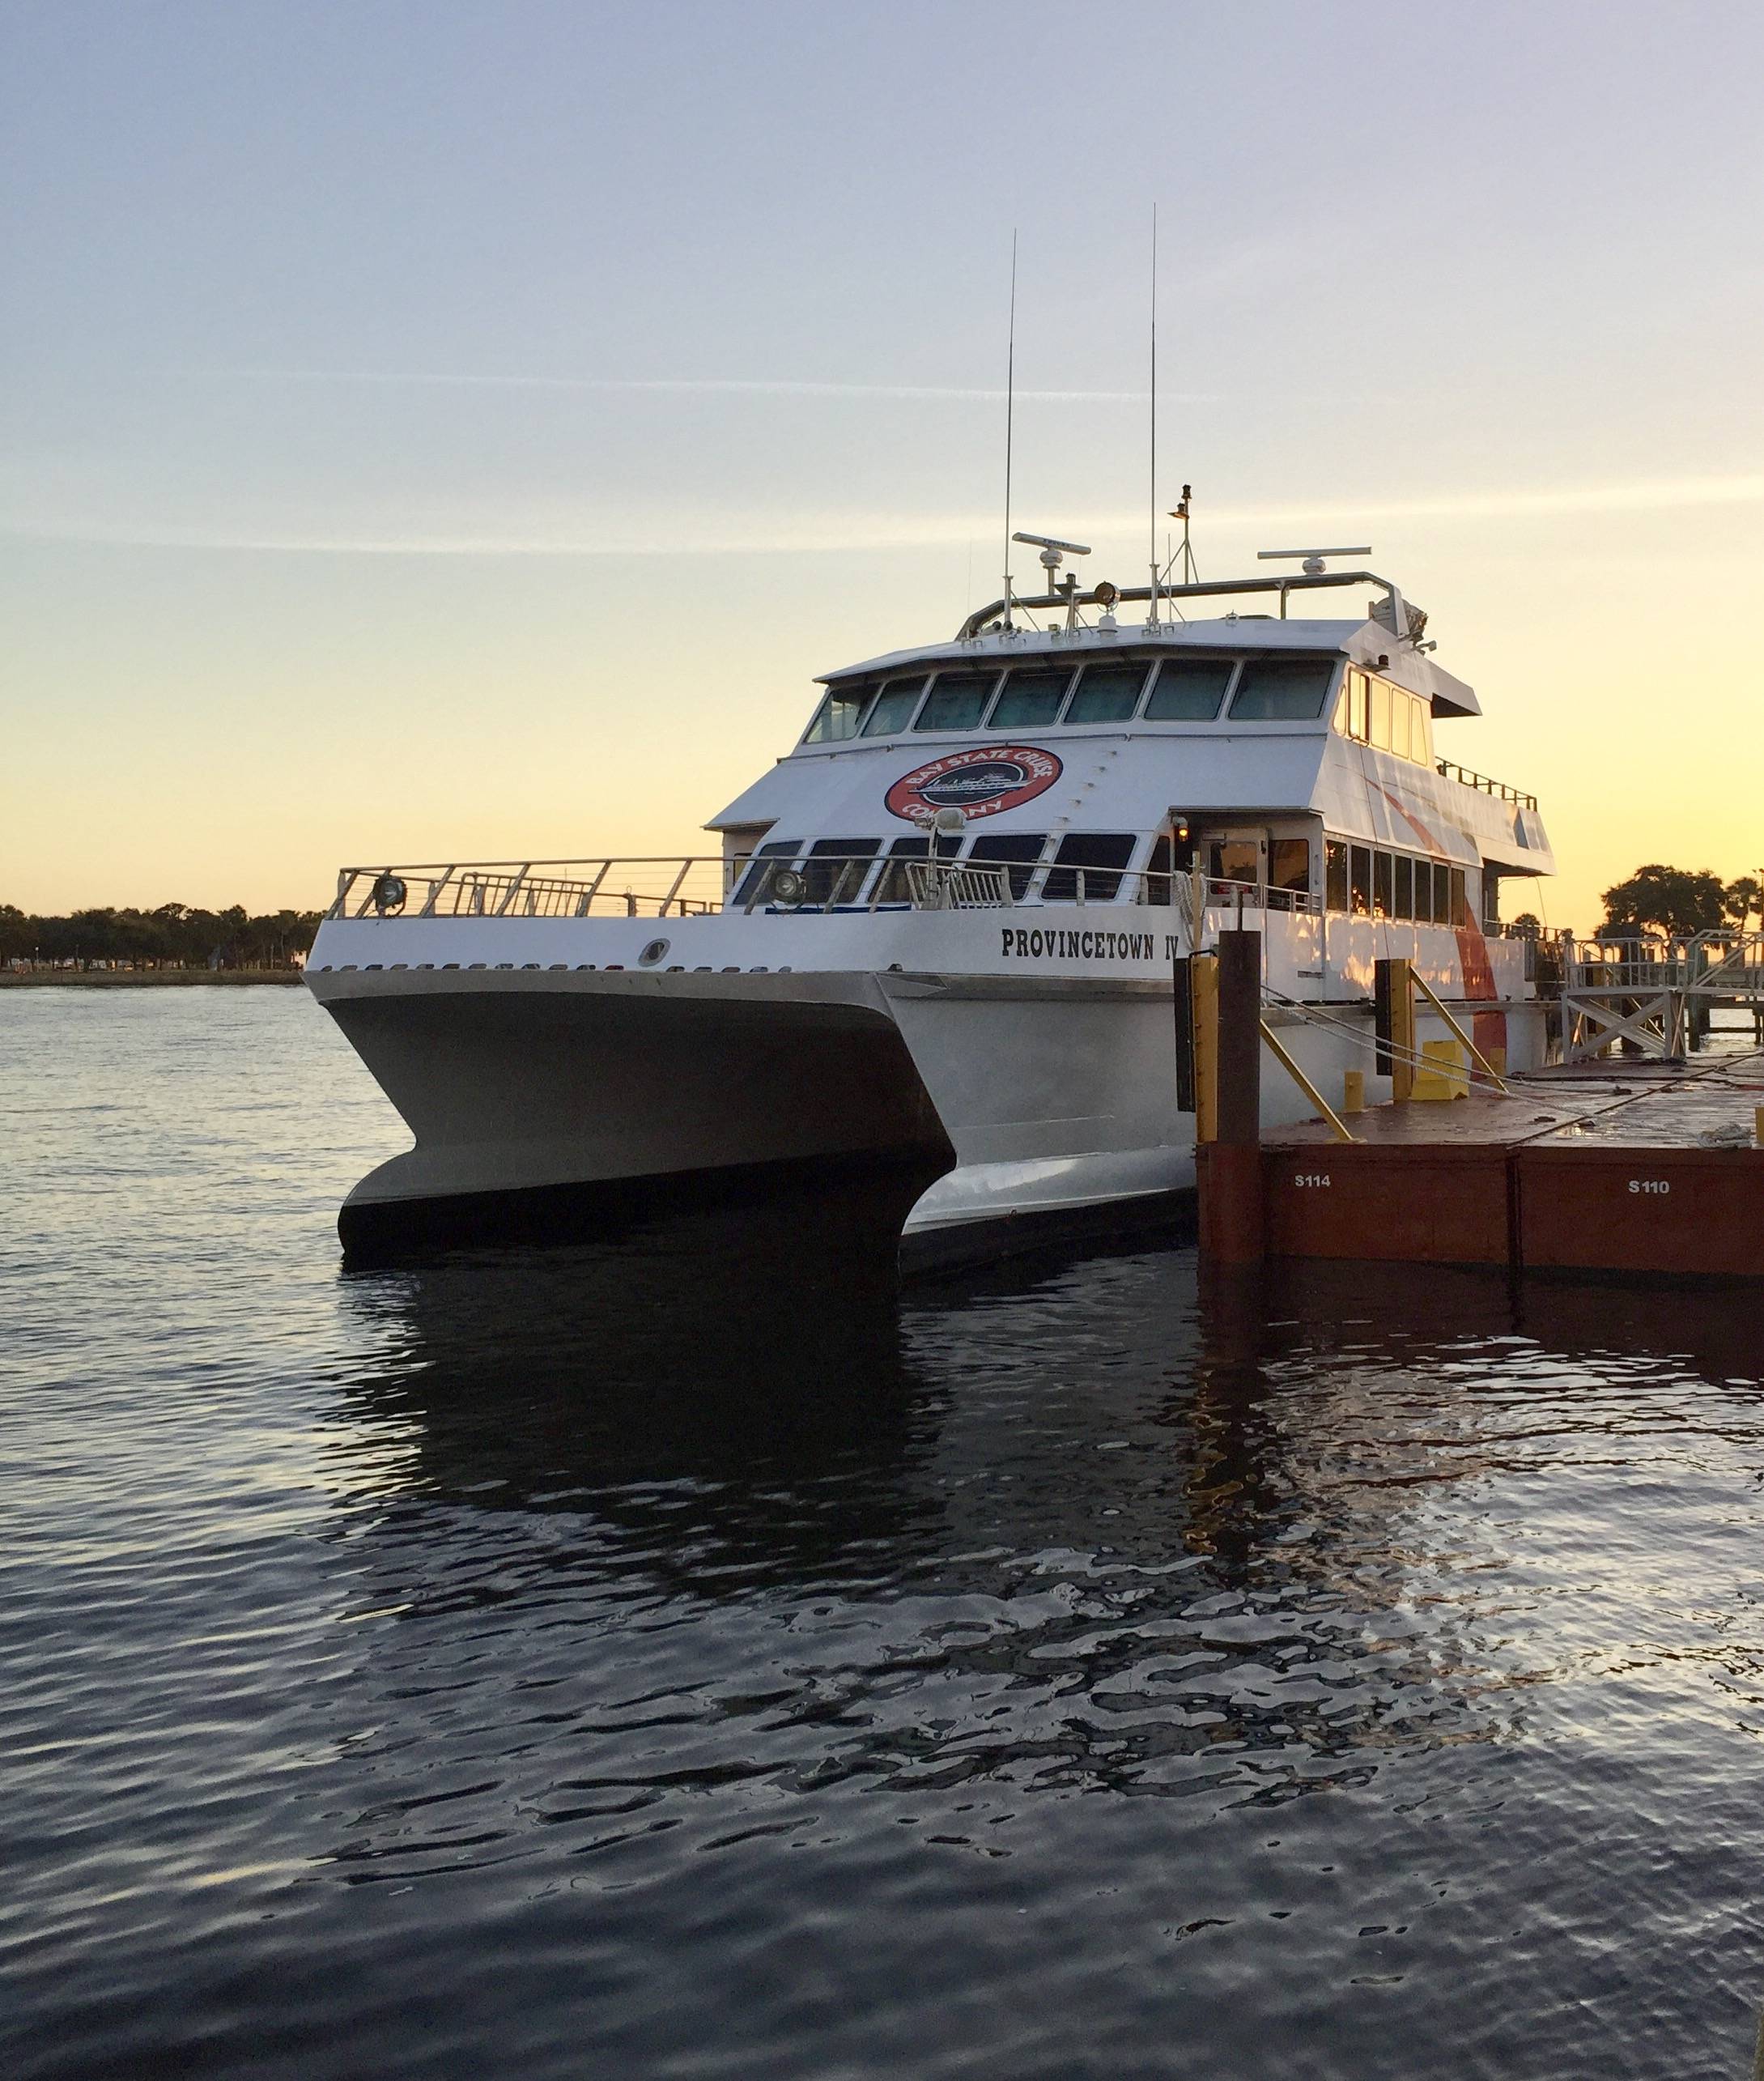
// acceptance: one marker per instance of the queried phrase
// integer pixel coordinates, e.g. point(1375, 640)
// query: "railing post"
point(435, 893)
point(685, 867)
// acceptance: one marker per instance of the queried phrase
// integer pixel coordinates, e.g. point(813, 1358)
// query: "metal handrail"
point(995, 610)
point(674, 886)
point(1717, 963)
point(1466, 777)
point(666, 886)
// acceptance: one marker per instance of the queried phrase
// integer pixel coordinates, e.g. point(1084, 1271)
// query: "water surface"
point(669, 1657)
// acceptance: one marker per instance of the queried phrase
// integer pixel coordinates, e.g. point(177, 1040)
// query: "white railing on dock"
point(1656, 993)
point(1726, 965)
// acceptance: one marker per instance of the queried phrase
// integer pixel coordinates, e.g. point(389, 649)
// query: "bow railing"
point(701, 885)
point(668, 887)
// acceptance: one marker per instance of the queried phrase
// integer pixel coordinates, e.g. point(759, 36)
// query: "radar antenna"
point(1053, 552)
point(1310, 559)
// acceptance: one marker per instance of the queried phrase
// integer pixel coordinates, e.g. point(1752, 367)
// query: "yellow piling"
point(1402, 1032)
point(1353, 1090)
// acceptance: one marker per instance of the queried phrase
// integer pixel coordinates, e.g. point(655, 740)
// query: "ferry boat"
point(940, 936)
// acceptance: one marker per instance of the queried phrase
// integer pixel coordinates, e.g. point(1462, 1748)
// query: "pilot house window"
point(1107, 693)
point(1189, 689)
point(837, 716)
point(895, 705)
point(1282, 689)
point(957, 700)
point(1030, 701)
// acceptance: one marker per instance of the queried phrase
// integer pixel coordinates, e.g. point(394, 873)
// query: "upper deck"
point(1112, 726)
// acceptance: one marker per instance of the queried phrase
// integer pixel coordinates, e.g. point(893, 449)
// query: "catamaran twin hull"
point(1004, 1075)
point(940, 938)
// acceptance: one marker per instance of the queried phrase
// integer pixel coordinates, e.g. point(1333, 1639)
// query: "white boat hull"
point(994, 1103)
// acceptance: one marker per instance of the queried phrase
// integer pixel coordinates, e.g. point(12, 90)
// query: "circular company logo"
point(981, 783)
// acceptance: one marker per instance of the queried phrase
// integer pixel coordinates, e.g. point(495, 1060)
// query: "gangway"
point(1656, 993)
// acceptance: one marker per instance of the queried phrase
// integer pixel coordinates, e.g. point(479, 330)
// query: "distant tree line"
point(174, 936)
point(1680, 902)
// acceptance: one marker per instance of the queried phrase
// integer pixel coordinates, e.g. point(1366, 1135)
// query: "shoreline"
point(112, 979)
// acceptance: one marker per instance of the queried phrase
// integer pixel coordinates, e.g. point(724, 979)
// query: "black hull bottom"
point(849, 1208)
point(845, 1205)
point(943, 1252)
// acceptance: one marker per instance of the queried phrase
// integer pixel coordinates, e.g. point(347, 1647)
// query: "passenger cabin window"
point(766, 863)
point(839, 714)
point(1095, 853)
point(1282, 689)
point(894, 705)
point(1030, 701)
point(836, 869)
point(1381, 894)
point(1335, 870)
point(1021, 849)
point(957, 700)
point(1360, 880)
point(1366, 882)
point(1189, 689)
point(1158, 870)
point(894, 886)
point(1107, 693)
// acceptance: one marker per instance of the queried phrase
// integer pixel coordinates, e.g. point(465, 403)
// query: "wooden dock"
point(1621, 1166)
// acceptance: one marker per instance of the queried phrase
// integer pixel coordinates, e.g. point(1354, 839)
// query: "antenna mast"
point(1156, 582)
point(1011, 406)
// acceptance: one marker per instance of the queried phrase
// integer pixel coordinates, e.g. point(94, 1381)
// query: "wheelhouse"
point(1291, 762)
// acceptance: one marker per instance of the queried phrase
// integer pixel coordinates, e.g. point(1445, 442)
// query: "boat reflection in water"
point(738, 1405)
point(706, 1586)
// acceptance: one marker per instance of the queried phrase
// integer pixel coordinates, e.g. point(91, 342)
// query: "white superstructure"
point(942, 931)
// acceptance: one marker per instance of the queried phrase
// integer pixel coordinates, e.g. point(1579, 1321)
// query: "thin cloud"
point(1518, 503)
point(687, 385)
point(849, 532)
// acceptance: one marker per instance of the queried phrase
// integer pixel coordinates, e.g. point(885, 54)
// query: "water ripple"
point(659, 1657)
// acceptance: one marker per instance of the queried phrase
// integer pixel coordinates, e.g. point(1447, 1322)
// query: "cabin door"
point(1236, 858)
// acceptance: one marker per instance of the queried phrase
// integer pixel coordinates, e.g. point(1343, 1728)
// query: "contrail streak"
point(728, 385)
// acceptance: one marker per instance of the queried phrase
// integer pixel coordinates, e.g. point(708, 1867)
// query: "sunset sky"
point(462, 431)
